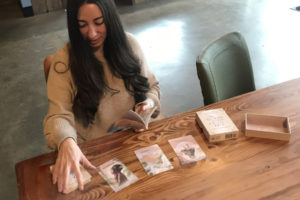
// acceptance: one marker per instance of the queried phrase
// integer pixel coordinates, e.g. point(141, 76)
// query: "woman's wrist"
point(67, 140)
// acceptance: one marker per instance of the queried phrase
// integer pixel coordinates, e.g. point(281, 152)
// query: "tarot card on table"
point(187, 149)
point(153, 159)
point(116, 174)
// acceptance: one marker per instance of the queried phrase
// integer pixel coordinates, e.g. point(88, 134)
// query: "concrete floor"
point(172, 34)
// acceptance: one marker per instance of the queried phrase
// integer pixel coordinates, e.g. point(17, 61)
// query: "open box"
point(267, 126)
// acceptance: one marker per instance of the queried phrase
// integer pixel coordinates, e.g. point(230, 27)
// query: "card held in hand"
point(187, 149)
point(134, 120)
point(116, 174)
point(72, 182)
point(153, 159)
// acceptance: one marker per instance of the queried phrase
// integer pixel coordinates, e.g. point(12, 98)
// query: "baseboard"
point(27, 11)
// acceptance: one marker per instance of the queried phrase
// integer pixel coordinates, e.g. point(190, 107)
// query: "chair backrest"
point(47, 64)
point(224, 68)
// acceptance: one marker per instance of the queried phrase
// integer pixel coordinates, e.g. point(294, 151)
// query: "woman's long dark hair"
point(87, 71)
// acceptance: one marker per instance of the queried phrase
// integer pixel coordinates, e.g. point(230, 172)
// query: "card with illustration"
point(187, 149)
point(153, 159)
point(116, 174)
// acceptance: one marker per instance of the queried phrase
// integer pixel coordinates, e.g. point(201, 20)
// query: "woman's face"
point(91, 24)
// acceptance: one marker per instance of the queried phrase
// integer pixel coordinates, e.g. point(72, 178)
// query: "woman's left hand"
point(143, 106)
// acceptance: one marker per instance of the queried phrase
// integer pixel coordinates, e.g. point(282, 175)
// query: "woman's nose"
point(92, 32)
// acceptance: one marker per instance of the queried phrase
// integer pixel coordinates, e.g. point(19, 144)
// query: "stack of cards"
point(187, 149)
point(153, 159)
point(72, 182)
point(116, 174)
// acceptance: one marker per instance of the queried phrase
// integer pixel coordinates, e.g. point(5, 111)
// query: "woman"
point(120, 178)
point(94, 79)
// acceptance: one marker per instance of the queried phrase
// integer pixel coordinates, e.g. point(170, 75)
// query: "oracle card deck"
point(216, 124)
point(72, 182)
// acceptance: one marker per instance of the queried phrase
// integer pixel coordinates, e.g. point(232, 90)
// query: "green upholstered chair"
point(224, 68)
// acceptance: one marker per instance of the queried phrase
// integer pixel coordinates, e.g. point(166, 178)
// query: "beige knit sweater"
point(60, 123)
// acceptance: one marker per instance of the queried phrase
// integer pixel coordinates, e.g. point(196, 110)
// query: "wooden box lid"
point(267, 126)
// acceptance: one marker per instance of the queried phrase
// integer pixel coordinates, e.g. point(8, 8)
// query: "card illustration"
point(187, 149)
point(116, 174)
point(153, 159)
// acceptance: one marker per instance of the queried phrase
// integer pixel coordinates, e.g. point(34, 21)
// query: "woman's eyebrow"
point(82, 20)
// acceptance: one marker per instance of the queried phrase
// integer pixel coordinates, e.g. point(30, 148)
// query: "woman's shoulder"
point(60, 61)
point(132, 39)
point(133, 42)
point(62, 54)
point(130, 36)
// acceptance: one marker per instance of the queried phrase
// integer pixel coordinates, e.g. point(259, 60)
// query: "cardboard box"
point(216, 125)
point(267, 126)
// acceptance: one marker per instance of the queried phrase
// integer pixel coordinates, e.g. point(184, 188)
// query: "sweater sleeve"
point(154, 92)
point(59, 123)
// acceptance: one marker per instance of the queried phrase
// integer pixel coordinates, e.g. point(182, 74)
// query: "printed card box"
point(217, 125)
point(267, 126)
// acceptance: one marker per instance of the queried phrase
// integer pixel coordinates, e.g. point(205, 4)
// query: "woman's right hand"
point(69, 159)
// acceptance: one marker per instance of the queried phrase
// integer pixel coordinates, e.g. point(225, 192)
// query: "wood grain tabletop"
point(242, 168)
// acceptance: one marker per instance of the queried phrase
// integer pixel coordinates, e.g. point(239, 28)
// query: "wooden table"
point(244, 168)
